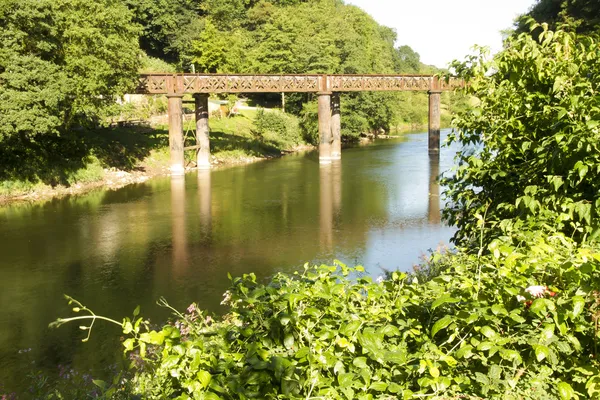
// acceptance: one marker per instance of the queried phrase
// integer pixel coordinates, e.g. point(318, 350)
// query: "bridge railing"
point(225, 83)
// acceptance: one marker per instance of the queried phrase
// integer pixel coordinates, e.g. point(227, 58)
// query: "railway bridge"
point(327, 87)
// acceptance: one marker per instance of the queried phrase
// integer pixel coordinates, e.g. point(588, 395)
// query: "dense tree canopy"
point(61, 65)
point(584, 13)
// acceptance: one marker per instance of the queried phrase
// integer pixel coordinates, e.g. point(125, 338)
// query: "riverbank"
point(121, 156)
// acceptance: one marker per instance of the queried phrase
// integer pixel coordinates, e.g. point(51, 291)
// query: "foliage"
point(278, 126)
point(584, 13)
point(169, 27)
point(530, 152)
point(520, 323)
point(62, 64)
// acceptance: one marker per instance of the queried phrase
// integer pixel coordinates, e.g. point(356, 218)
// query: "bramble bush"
point(330, 332)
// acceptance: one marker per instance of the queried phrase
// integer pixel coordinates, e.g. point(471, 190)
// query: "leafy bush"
point(537, 125)
point(277, 127)
point(521, 323)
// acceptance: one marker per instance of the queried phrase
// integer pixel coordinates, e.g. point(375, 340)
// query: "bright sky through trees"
point(443, 30)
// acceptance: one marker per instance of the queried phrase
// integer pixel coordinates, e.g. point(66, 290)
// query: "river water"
point(178, 238)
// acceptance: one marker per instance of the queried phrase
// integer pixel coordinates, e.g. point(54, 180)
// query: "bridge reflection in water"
point(330, 196)
point(433, 206)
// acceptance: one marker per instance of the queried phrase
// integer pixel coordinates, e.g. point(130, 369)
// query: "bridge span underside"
point(327, 87)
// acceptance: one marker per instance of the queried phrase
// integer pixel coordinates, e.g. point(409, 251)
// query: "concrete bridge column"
point(325, 138)
point(336, 127)
point(174, 110)
point(434, 117)
point(202, 131)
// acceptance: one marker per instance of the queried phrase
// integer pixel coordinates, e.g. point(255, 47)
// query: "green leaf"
point(541, 352)
point(441, 324)
point(379, 386)
point(565, 391)
point(350, 328)
point(443, 300)
point(389, 331)
point(204, 377)
point(101, 384)
point(303, 352)
point(578, 306)
point(345, 380)
point(129, 344)
point(539, 306)
point(511, 355)
point(289, 340)
point(153, 337)
point(488, 332)
point(360, 362)
point(465, 352)
point(434, 371)
point(499, 309)
point(394, 388)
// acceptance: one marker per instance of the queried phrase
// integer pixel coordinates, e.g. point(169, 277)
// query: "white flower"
point(379, 279)
point(226, 298)
point(536, 291)
point(520, 298)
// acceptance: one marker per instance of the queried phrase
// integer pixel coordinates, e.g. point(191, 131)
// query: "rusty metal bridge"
point(327, 88)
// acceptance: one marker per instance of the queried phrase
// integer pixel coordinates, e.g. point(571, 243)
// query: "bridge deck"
point(222, 83)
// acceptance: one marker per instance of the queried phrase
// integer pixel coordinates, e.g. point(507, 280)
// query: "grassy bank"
point(114, 157)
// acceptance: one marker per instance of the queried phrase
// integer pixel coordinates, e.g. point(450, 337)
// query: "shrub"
point(520, 323)
point(537, 124)
point(277, 127)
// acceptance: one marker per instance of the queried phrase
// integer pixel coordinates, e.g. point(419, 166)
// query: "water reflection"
point(433, 206)
point(336, 185)
point(178, 223)
point(114, 250)
point(330, 204)
point(205, 201)
point(326, 207)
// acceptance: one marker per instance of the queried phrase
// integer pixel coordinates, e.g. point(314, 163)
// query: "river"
point(178, 238)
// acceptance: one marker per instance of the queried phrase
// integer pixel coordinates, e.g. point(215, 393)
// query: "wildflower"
point(520, 298)
point(191, 308)
point(226, 298)
point(536, 291)
point(379, 279)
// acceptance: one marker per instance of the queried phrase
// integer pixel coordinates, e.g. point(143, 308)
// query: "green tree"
point(406, 61)
point(168, 27)
point(584, 13)
point(62, 63)
point(530, 154)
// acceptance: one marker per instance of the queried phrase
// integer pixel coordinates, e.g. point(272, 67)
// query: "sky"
point(444, 30)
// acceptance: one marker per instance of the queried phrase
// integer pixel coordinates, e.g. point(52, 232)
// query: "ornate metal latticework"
point(353, 83)
point(213, 83)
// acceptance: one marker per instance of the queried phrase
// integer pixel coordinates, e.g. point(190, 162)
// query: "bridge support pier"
point(174, 110)
point(336, 127)
point(434, 117)
point(325, 138)
point(202, 131)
